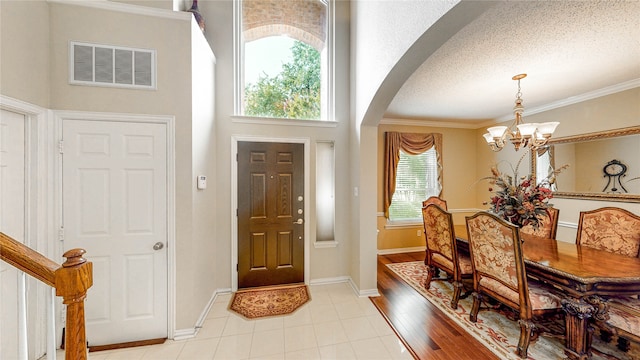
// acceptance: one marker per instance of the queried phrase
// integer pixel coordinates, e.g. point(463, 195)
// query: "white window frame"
point(238, 66)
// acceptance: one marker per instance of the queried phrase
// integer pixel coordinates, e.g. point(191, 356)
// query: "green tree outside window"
point(292, 94)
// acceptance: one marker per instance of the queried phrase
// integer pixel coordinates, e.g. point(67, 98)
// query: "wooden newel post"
point(73, 280)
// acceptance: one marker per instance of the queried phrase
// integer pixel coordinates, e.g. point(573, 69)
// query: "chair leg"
point(527, 328)
point(457, 289)
point(477, 299)
point(426, 263)
point(430, 273)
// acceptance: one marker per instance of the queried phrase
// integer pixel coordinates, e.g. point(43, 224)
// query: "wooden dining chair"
point(610, 229)
point(443, 204)
point(624, 320)
point(547, 227)
point(442, 251)
point(435, 200)
point(499, 273)
point(617, 231)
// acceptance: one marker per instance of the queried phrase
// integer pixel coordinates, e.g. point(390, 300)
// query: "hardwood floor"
point(426, 331)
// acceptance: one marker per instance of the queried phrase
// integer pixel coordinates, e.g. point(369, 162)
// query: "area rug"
point(493, 329)
point(281, 300)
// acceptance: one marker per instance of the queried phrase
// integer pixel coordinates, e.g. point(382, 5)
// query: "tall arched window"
point(282, 63)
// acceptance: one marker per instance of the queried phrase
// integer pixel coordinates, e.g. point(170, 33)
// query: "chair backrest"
point(498, 264)
point(435, 200)
point(440, 235)
point(548, 225)
point(610, 229)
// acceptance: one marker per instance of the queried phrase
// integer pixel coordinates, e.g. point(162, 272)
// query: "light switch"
point(202, 182)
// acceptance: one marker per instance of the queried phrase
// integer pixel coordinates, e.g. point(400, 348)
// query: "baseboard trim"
point(567, 224)
point(184, 334)
point(190, 333)
point(333, 280)
point(365, 292)
point(349, 280)
point(400, 250)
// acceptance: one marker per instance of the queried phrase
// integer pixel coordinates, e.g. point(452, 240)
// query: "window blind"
point(416, 180)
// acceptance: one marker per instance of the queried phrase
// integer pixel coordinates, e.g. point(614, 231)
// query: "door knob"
point(158, 246)
point(298, 222)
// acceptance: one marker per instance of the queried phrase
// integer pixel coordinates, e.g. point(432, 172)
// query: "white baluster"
point(51, 325)
point(23, 350)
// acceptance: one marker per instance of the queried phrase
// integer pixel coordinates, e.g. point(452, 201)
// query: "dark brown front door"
point(270, 218)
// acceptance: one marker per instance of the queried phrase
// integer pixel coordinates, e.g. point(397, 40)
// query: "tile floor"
point(335, 324)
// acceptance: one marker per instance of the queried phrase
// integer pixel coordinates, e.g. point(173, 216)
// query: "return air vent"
point(102, 65)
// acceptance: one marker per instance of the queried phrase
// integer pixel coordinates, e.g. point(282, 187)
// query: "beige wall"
point(24, 39)
point(203, 146)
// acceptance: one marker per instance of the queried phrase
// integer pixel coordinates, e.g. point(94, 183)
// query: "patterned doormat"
point(494, 330)
point(273, 301)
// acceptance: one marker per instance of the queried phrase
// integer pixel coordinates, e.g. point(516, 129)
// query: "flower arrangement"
point(520, 200)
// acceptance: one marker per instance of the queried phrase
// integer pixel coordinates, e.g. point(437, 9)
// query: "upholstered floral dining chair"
point(435, 200)
point(441, 250)
point(547, 227)
point(610, 229)
point(615, 230)
point(443, 204)
point(499, 273)
point(624, 321)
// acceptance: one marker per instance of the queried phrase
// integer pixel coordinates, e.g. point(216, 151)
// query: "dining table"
point(586, 278)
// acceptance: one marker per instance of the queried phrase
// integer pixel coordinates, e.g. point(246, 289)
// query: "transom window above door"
point(282, 63)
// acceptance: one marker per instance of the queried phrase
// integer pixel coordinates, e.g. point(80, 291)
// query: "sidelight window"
point(325, 191)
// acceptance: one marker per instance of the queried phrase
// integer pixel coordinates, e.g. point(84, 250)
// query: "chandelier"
point(520, 134)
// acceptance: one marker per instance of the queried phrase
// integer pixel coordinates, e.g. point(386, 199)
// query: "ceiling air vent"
point(102, 65)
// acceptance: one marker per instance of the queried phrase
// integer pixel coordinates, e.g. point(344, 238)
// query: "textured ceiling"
point(567, 48)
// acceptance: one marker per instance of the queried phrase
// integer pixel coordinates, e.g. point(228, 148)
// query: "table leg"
point(578, 330)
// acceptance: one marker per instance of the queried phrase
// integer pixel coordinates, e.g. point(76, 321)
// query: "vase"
point(196, 14)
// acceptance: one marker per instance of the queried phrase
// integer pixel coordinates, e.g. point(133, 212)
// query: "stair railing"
point(71, 281)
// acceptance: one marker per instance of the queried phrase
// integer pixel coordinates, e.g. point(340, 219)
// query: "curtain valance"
point(413, 144)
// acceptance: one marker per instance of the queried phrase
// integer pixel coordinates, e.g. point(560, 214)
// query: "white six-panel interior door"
point(12, 223)
point(114, 204)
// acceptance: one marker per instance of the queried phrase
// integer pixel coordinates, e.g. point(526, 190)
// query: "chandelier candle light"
point(520, 134)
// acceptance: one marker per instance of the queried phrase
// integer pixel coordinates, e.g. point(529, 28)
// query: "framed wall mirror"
point(602, 165)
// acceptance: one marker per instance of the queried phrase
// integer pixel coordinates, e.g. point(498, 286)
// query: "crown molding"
point(446, 123)
point(429, 123)
point(627, 85)
point(128, 8)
